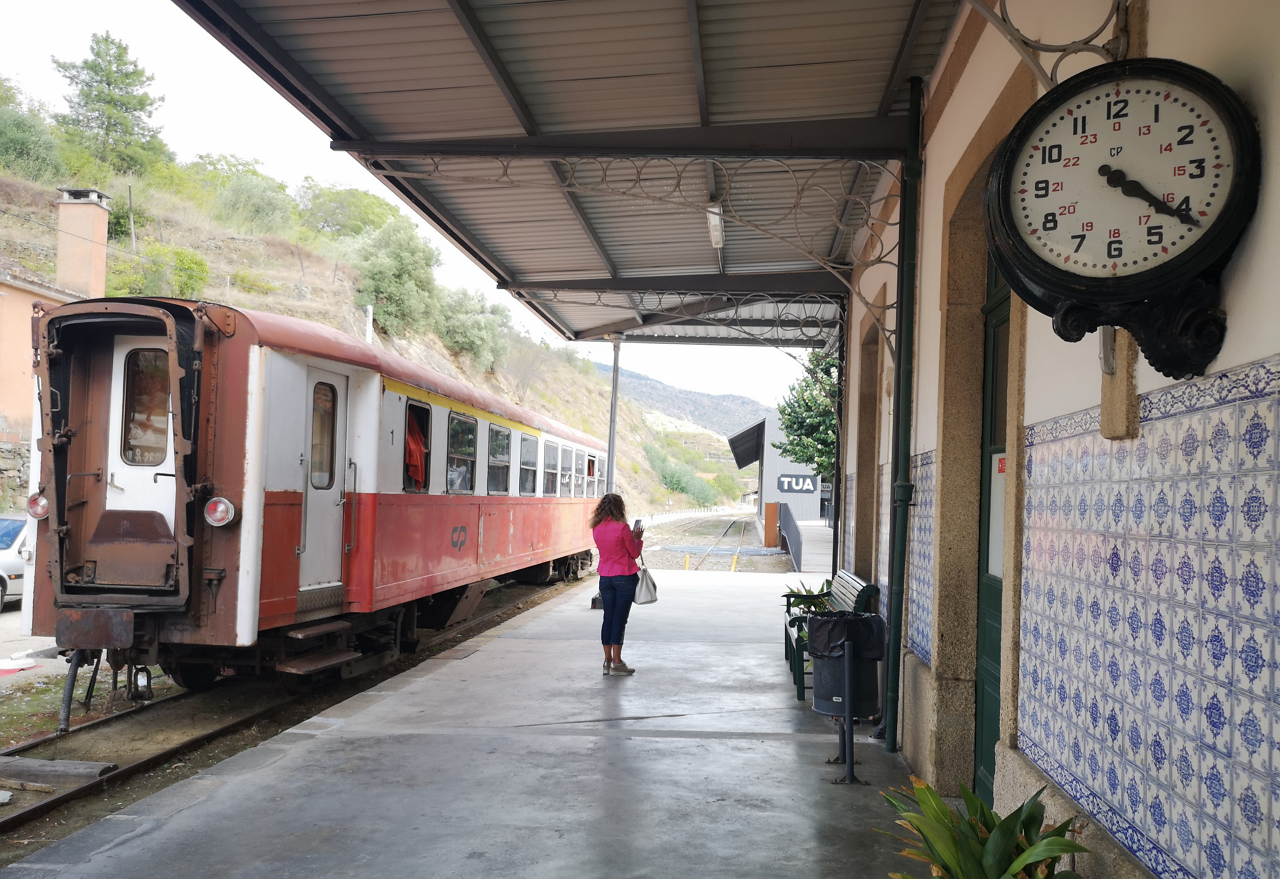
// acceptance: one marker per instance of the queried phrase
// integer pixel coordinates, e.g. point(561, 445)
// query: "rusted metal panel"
point(281, 528)
point(130, 547)
point(95, 628)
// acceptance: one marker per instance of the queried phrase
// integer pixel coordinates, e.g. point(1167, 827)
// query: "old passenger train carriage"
point(224, 489)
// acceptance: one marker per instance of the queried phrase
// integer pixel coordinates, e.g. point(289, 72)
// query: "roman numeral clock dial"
point(1117, 199)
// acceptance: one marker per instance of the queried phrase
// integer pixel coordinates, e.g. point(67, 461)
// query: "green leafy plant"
point(813, 600)
point(159, 270)
point(982, 845)
point(252, 282)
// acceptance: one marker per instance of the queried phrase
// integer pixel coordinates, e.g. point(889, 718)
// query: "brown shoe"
point(620, 669)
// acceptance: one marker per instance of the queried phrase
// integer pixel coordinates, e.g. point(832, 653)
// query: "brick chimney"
point(82, 241)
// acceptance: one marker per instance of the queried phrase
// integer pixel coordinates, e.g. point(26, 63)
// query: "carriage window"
point(550, 475)
point(146, 407)
point(417, 447)
point(462, 453)
point(591, 477)
point(323, 431)
point(528, 465)
point(566, 471)
point(499, 460)
point(580, 475)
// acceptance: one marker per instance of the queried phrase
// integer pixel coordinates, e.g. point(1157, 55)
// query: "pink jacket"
point(618, 549)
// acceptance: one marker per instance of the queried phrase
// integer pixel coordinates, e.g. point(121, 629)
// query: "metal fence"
point(789, 532)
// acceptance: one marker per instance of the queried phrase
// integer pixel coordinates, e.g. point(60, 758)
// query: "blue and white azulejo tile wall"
point(1149, 623)
point(882, 541)
point(920, 559)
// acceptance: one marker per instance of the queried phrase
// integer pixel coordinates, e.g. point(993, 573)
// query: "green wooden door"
point(991, 551)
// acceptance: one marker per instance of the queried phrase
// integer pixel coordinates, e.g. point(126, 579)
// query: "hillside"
point(725, 414)
point(271, 273)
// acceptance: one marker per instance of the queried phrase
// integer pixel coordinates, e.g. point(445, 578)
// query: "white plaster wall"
point(992, 63)
point(1061, 377)
point(1235, 41)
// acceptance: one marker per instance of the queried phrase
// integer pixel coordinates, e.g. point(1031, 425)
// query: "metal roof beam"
point(868, 137)
point(729, 340)
point(489, 55)
point(797, 283)
point(907, 48)
point(231, 26)
point(700, 308)
point(699, 73)
point(507, 85)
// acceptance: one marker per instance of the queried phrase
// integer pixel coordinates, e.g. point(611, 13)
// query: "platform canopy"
point(671, 170)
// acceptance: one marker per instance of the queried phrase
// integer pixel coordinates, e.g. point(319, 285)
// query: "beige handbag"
point(646, 589)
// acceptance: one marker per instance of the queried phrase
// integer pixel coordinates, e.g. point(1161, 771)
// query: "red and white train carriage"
point(221, 488)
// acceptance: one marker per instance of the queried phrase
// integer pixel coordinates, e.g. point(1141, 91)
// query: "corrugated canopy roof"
point(678, 170)
point(747, 444)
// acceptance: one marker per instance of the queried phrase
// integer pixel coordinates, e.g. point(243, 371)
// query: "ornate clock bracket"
point(1180, 332)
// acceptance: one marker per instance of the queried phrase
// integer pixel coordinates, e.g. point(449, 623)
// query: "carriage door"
point(323, 493)
point(139, 503)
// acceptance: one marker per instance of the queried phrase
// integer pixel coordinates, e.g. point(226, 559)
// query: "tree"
point(110, 109)
point(396, 277)
point(809, 418)
point(341, 212)
point(256, 204)
point(27, 147)
point(467, 324)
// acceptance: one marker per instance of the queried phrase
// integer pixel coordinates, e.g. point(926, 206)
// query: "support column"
point(903, 379)
point(610, 485)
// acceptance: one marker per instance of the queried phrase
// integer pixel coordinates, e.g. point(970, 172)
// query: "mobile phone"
point(637, 526)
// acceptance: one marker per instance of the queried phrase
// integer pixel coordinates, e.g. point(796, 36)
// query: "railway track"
point(134, 741)
point(738, 520)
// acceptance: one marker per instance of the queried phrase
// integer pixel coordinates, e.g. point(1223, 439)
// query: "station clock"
point(1117, 200)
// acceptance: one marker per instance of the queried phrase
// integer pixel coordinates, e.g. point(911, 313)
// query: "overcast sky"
point(214, 104)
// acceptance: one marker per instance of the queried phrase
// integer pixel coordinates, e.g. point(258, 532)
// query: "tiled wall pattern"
point(846, 519)
point(1149, 623)
point(920, 559)
point(882, 542)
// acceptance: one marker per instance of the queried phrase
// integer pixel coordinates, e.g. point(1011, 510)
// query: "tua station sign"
point(797, 484)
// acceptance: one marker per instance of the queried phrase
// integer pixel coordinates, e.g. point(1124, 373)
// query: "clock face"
point(1121, 178)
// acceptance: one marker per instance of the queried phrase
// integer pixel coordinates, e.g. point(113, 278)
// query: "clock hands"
point(1117, 179)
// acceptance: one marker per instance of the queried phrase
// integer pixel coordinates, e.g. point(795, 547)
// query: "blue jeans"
point(617, 594)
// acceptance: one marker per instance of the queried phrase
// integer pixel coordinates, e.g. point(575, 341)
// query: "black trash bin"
point(830, 635)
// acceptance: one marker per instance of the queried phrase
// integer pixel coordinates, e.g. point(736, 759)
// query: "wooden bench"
point(846, 592)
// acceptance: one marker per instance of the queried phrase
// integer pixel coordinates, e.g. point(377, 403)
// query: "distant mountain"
point(726, 414)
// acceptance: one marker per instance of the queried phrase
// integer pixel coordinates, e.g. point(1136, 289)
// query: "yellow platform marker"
point(686, 561)
point(733, 567)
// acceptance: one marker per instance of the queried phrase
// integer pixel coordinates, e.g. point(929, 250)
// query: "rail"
point(789, 531)
point(655, 518)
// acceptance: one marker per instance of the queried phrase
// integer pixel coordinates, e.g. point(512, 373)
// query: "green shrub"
point(680, 477)
point(118, 219)
point(469, 325)
point(251, 282)
point(255, 204)
point(727, 486)
point(159, 270)
point(396, 278)
point(28, 148)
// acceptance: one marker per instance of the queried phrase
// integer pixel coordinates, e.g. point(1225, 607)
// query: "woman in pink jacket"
point(619, 547)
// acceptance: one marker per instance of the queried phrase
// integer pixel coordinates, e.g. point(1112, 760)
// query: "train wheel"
point(193, 677)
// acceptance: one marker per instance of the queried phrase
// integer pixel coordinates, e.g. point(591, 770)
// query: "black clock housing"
point(1172, 308)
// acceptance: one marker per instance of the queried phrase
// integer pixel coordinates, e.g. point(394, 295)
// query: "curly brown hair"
point(610, 509)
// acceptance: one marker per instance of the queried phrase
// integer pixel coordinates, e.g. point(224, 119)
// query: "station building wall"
point(1140, 646)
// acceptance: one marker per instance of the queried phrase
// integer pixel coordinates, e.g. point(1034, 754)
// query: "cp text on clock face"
point(1122, 178)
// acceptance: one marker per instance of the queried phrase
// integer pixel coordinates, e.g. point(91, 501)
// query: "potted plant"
point(982, 845)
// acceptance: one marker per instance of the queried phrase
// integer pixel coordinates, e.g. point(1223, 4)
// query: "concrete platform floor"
point(512, 756)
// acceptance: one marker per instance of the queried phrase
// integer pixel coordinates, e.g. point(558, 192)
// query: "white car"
point(15, 547)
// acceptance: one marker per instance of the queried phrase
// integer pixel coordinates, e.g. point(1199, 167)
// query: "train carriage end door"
point(324, 469)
